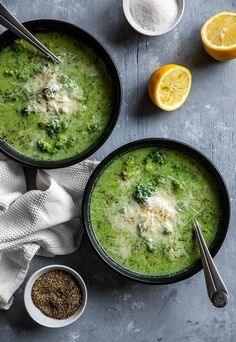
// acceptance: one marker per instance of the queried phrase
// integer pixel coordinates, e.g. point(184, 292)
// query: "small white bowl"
point(138, 28)
point(37, 315)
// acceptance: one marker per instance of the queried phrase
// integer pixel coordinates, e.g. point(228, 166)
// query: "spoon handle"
point(216, 288)
point(12, 24)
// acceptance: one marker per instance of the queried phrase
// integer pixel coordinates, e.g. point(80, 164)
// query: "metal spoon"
point(216, 289)
point(11, 23)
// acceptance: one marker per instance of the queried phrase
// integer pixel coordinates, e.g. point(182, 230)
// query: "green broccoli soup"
point(50, 111)
point(143, 206)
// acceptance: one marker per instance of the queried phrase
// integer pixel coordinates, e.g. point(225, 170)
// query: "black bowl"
point(47, 25)
point(206, 164)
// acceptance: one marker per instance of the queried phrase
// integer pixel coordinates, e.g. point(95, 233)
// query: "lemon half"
point(169, 86)
point(219, 36)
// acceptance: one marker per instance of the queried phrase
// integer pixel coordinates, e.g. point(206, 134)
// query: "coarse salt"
point(154, 15)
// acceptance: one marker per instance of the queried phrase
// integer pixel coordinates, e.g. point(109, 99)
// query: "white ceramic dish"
point(37, 315)
point(138, 28)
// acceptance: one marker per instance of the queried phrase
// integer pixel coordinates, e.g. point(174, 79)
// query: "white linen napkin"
point(45, 221)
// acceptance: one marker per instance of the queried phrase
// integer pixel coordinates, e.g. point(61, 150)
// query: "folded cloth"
point(45, 221)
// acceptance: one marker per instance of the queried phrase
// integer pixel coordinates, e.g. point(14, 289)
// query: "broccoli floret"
point(61, 142)
point(143, 232)
point(9, 96)
point(93, 127)
point(55, 127)
point(158, 157)
point(64, 79)
point(180, 167)
point(45, 146)
point(177, 184)
point(70, 141)
point(142, 192)
point(37, 69)
point(21, 75)
point(157, 179)
point(19, 45)
point(128, 168)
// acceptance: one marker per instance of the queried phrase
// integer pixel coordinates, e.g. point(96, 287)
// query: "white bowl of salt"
point(153, 17)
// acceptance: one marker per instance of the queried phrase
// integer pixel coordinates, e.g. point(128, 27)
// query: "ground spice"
point(57, 294)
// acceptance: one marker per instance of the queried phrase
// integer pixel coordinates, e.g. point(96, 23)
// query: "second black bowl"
point(205, 163)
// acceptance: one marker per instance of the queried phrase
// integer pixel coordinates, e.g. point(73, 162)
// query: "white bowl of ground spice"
point(153, 17)
point(55, 296)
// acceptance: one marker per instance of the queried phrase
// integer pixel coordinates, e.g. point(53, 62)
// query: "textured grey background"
point(118, 309)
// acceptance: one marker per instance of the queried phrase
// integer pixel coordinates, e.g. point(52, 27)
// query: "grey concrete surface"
point(119, 309)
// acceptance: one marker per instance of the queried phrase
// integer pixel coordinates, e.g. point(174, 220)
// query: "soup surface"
point(143, 207)
point(50, 111)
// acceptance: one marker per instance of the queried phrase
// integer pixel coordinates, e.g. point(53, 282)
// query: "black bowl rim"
point(35, 25)
point(205, 162)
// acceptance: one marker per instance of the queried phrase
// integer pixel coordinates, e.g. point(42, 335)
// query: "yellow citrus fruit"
point(219, 36)
point(169, 86)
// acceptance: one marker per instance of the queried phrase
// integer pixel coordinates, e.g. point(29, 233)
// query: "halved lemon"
point(169, 86)
point(219, 36)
